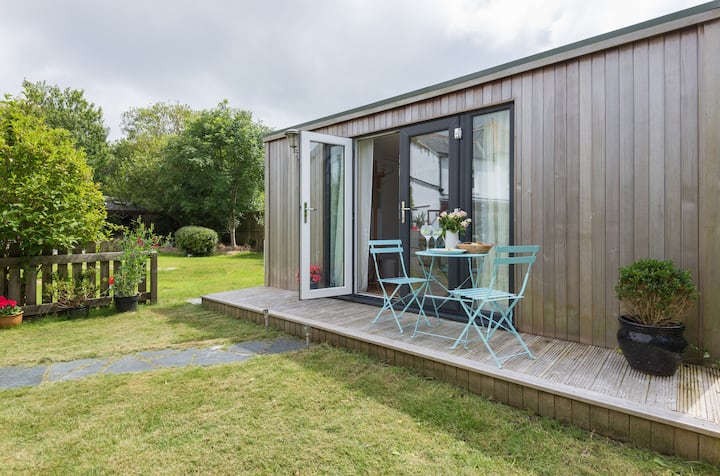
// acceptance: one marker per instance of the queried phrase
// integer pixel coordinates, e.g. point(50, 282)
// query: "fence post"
point(153, 278)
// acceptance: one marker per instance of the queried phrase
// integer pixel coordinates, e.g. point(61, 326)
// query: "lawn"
point(317, 411)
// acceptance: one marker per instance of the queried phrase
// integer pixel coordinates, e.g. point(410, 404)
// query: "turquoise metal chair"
point(391, 286)
point(500, 303)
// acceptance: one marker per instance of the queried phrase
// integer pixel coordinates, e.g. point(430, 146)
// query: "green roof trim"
point(705, 7)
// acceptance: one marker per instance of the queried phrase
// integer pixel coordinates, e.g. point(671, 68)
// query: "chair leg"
point(493, 325)
point(506, 319)
point(390, 305)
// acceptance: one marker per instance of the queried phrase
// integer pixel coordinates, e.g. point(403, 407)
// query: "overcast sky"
point(287, 61)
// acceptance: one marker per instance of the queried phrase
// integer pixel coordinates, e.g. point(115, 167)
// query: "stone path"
point(14, 377)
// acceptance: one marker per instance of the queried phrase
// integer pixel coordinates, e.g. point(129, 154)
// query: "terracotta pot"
point(7, 322)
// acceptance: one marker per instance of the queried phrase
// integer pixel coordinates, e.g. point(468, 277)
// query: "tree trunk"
point(232, 227)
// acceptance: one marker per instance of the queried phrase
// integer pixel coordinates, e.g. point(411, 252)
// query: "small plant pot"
point(126, 303)
point(6, 322)
point(655, 350)
point(80, 311)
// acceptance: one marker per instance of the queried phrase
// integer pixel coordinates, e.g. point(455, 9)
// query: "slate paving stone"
point(207, 357)
point(128, 364)
point(156, 354)
point(76, 369)
point(285, 345)
point(15, 377)
point(179, 359)
point(249, 347)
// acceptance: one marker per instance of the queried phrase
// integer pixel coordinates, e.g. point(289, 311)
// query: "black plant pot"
point(126, 303)
point(651, 349)
point(80, 311)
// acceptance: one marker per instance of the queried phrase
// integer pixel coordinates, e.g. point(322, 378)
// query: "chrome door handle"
point(307, 209)
point(403, 209)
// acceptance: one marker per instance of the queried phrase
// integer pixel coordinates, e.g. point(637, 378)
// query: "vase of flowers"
point(136, 245)
point(10, 313)
point(452, 224)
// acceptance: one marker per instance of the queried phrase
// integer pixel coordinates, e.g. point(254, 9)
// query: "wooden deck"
point(590, 387)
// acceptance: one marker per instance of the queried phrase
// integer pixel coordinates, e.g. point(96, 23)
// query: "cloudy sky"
point(287, 61)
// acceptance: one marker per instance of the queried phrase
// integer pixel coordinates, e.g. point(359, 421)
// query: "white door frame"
point(309, 210)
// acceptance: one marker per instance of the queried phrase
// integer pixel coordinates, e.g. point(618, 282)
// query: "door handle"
point(307, 209)
point(404, 209)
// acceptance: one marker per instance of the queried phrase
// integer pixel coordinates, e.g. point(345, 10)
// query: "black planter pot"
point(651, 349)
point(81, 311)
point(126, 303)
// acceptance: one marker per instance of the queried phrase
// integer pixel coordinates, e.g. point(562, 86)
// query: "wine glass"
point(436, 233)
point(427, 232)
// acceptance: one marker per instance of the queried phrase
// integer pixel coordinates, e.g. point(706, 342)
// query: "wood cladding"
point(616, 158)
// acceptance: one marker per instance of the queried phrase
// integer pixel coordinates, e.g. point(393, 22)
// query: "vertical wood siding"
point(282, 216)
point(616, 158)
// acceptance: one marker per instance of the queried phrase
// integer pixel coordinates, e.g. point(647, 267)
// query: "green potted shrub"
point(136, 245)
point(71, 295)
point(655, 298)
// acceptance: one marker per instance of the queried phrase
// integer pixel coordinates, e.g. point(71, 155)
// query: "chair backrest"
point(387, 247)
point(515, 254)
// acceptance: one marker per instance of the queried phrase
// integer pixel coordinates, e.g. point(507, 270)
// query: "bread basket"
point(475, 248)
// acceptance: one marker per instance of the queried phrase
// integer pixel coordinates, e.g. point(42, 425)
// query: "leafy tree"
point(47, 195)
point(213, 169)
point(134, 162)
point(68, 109)
point(158, 120)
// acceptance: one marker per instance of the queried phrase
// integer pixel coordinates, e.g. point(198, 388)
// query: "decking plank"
point(584, 385)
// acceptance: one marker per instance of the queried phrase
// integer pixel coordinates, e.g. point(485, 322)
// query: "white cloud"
point(287, 61)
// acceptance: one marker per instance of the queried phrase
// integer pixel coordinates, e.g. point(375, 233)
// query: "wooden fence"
point(25, 279)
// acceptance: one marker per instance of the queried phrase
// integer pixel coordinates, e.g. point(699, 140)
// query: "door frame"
point(306, 215)
point(451, 124)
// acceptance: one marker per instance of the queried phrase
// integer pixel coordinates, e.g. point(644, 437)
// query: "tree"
point(158, 120)
point(68, 109)
point(47, 195)
point(213, 169)
point(135, 160)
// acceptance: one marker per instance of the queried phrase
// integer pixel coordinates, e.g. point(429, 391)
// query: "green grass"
point(173, 323)
point(316, 411)
point(182, 278)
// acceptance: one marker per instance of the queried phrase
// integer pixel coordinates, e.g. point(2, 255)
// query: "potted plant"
point(452, 224)
point(655, 297)
point(10, 313)
point(136, 245)
point(70, 294)
point(315, 276)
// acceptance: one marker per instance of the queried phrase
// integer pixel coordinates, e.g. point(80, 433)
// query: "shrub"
point(196, 240)
point(655, 293)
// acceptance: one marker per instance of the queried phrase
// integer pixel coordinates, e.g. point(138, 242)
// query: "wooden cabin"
point(602, 152)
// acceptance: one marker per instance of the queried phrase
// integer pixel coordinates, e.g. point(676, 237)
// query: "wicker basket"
point(475, 248)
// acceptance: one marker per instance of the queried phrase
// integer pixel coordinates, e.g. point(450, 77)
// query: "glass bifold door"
point(404, 180)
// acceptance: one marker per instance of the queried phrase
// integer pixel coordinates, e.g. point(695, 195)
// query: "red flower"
point(111, 280)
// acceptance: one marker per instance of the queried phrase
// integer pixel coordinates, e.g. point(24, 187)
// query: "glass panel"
point(491, 182)
point(327, 224)
point(377, 198)
point(429, 163)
